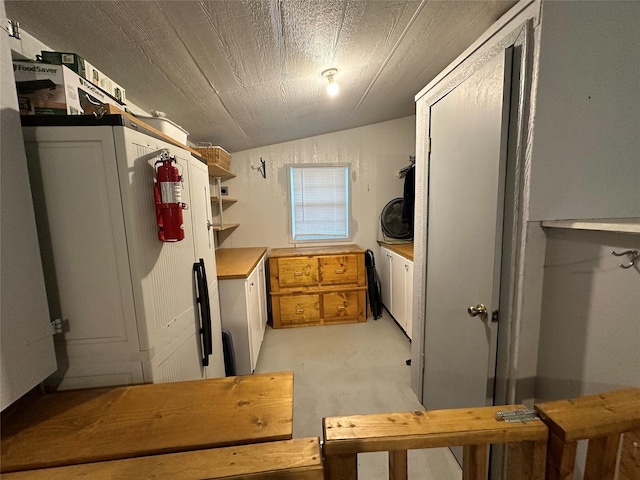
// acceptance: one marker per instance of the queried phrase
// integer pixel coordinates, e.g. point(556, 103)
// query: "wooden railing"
point(537, 449)
point(602, 420)
point(473, 428)
point(298, 459)
point(540, 449)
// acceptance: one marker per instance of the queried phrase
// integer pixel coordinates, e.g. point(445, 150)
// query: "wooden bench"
point(601, 419)
point(114, 423)
point(473, 428)
point(298, 459)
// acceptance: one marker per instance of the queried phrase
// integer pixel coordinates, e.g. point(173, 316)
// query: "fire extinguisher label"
point(171, 192)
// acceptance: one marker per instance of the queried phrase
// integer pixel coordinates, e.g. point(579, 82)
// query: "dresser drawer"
point(299, 310)
point(339, 269)
point(297, 272)
point(340, 306)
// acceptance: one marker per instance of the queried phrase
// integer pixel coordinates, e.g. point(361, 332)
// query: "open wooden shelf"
point(621, 225)
point(218, 171)
point(225, 226)
point(225, 200)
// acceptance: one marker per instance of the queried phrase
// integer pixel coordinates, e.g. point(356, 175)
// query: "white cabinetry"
point(396, 277)
point(244, 315)
point(126, 299)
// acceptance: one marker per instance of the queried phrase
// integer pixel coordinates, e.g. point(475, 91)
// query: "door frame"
point(520, 38)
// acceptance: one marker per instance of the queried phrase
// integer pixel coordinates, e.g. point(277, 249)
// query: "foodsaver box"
point(46, 89)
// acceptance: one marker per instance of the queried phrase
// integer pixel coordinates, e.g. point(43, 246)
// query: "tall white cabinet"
point(127, 301)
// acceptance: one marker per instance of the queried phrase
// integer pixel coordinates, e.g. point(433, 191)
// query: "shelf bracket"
point(262, 168)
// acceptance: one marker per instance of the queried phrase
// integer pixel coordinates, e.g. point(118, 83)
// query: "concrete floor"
point(348, 370)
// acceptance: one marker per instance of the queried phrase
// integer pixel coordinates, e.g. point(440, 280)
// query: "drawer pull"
point(297, 274)
point(340, 271)
point(342, 307)
point(300, 310)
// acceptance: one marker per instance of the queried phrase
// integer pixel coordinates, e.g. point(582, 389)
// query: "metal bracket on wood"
point(517, 416)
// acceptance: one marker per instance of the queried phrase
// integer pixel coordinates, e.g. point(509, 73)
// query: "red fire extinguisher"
point(168, 195)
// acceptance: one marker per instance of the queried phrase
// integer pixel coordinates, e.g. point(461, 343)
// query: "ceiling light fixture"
point(332, 86)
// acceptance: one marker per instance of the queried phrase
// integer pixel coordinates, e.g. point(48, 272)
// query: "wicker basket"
point(215, 156)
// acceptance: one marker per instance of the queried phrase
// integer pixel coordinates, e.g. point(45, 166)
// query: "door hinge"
point(429, 145)
point(495, 315)
point(56, 326)
point(14, 29)
point(517, 416)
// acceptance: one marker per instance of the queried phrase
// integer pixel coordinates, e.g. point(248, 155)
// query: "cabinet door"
point(262, 289)
point(383, 267)
point(408, 312)
point(398, 275)
point(201, 216)
point(254, 323)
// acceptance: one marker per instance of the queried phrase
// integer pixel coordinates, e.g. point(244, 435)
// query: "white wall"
point(590, 326)
point(587, 123)
point(375, 152)
point(27, 348)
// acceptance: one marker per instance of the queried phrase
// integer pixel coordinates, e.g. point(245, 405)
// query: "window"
point(319, 196)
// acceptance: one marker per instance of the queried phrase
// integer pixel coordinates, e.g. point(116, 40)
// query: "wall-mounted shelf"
point(225, 226)
point(217, 171)
point(620, 225)
point(225, 200)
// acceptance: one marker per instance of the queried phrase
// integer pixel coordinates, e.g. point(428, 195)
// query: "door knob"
point(477, 310)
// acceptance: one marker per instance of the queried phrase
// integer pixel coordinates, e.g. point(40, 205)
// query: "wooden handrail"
point(473, 428)
point(298, 459)
point(601, 419)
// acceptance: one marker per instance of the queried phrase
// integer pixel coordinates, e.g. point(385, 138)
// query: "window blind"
point(319, 202)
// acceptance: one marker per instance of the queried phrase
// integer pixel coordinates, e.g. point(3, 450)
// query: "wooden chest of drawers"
point(317, 285)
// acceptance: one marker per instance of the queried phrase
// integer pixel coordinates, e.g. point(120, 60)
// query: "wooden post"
point(526, 460)
point(602, 454)
point(398, 465)
point(475, 462)
point(341, 467)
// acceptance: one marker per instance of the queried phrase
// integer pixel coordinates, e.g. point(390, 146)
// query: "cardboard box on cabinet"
point(47, 89)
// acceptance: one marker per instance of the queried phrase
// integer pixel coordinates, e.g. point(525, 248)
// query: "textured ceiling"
point(246, 73)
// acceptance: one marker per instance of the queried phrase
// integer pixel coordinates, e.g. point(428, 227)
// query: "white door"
point(465, 208)
point(408, 306)
point(201, 219)
point(262, 286)
point(254, 318)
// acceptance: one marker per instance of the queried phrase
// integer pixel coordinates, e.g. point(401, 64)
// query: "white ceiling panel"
point(246, 73)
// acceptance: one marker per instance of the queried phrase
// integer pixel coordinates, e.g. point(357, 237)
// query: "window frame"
point(290, 206)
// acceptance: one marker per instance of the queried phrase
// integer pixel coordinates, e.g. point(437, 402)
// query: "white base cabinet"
point(244, 314)
point(396, 278)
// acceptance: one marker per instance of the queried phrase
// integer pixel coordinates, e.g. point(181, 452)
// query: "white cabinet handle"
point(339, 271)
point(342, 307)
point(297, 274)
point(300, 310)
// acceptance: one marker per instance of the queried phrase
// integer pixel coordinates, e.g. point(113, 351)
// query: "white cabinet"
point(396, 278)
point(243, 310)
point(126, 299)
